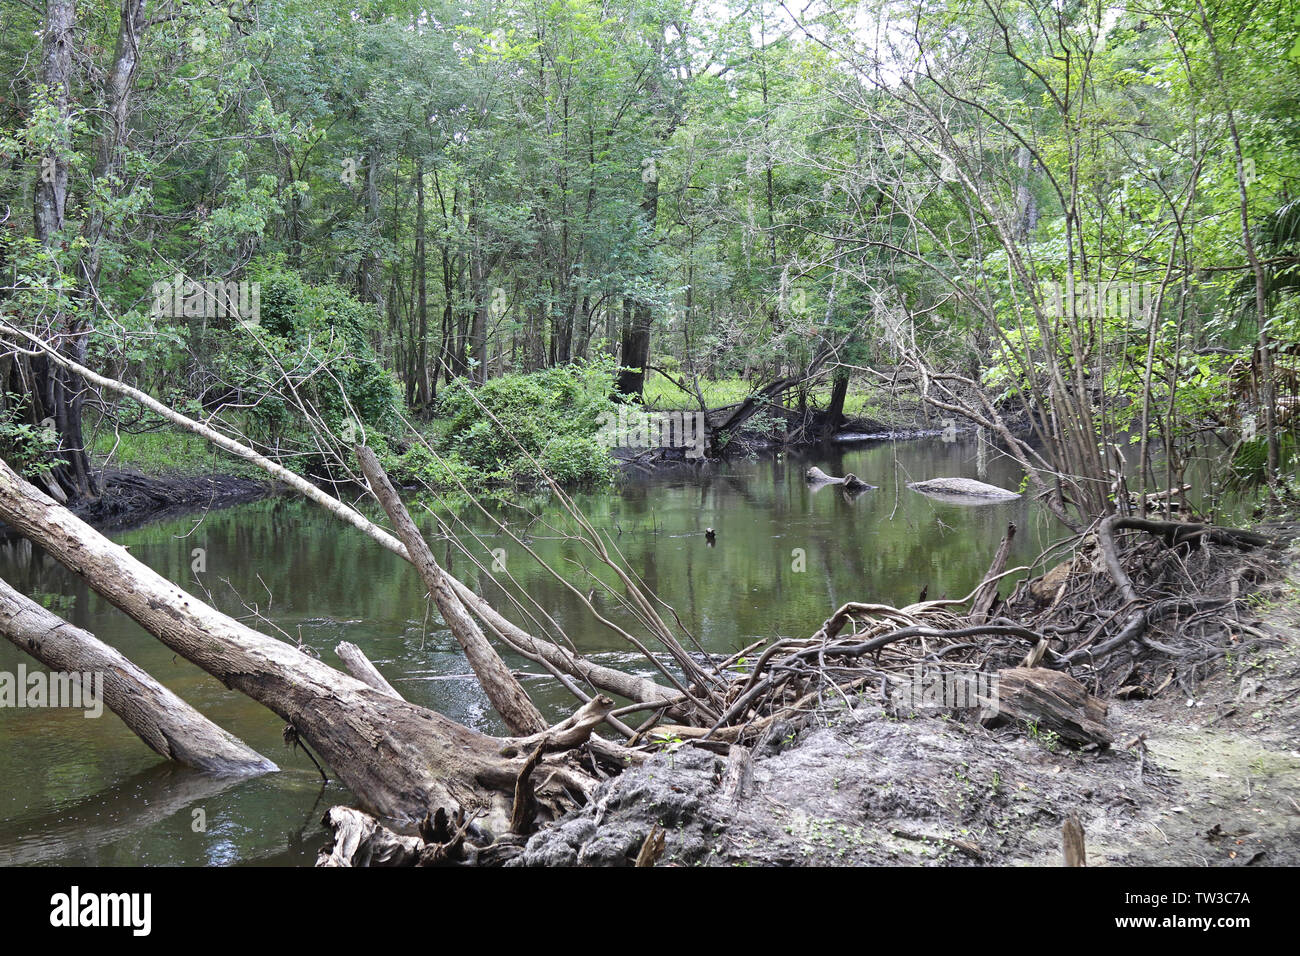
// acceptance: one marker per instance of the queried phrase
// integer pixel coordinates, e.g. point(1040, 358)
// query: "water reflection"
point(784, 555)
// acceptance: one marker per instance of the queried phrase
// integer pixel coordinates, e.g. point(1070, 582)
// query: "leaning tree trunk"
point(503, 688)
point(400, 760)
point(168, 726)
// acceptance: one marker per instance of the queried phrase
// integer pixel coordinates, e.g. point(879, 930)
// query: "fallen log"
point(1050, 701)
point(168, 726)
point(503, 688)
point(399, 759)
point(360, 840)
point(850, 482)
point(359, 666)
point(962, 488)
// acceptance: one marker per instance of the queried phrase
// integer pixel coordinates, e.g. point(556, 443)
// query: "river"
point(86, 791)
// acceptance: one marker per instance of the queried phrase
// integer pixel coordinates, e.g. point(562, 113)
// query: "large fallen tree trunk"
point(168, 726)
point(818, 478)
point(400, 760)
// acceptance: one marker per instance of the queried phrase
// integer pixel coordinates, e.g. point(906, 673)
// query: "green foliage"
point(310, 349)
point(26, 447)
point(553, 415)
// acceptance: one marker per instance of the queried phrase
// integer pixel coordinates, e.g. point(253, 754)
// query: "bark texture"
point(168, 726)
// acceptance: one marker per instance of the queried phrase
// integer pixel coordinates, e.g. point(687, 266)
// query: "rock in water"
point(963, 488)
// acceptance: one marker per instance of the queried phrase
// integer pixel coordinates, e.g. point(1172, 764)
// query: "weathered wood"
point(987, 592)
point(962, 488)
point(167, 725)
point(360, 667)
point(653, 847)
point(397, 758)
point(739, 775)
point(850, 482)
point(573, 731)
point(639, 689)
point(360, 840)
point(1072, 845)
point(1051, 701)
point(502, 687)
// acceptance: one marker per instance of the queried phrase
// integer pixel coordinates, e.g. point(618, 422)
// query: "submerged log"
point(962, 488)
point(399, 759)
point(359, 666)
point(851, 482)
point(1051, 701)
point(167, 725)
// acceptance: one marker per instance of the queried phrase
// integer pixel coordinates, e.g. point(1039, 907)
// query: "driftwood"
point(653, 847)
point(360, 840)
point(503, 688)
point(962, 488)
point(359, 666)
point(1072, 845)
point(987, 593)
point(1051, 701)
point(400, 760)
point(168, 726)
point(739, 775)
point(815, 476)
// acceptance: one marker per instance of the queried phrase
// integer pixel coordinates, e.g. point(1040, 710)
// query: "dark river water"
point(86, 791)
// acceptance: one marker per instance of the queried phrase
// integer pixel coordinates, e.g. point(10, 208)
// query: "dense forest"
point(463, 254)
point(1077, 218)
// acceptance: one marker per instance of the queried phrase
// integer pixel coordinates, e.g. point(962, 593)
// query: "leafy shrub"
point(312, 341)
point(26, 447)
point(553, 414)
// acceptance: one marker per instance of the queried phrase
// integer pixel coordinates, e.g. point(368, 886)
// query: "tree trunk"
point(400, 760)
point(55, 395)
point(168, 726)
point(56, 69)
point(503, 688)
point(421, 347)
point(839, 392)
point(112, 138)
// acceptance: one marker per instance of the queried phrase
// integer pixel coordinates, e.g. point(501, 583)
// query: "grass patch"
point(164, 452)
point(862, 401)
